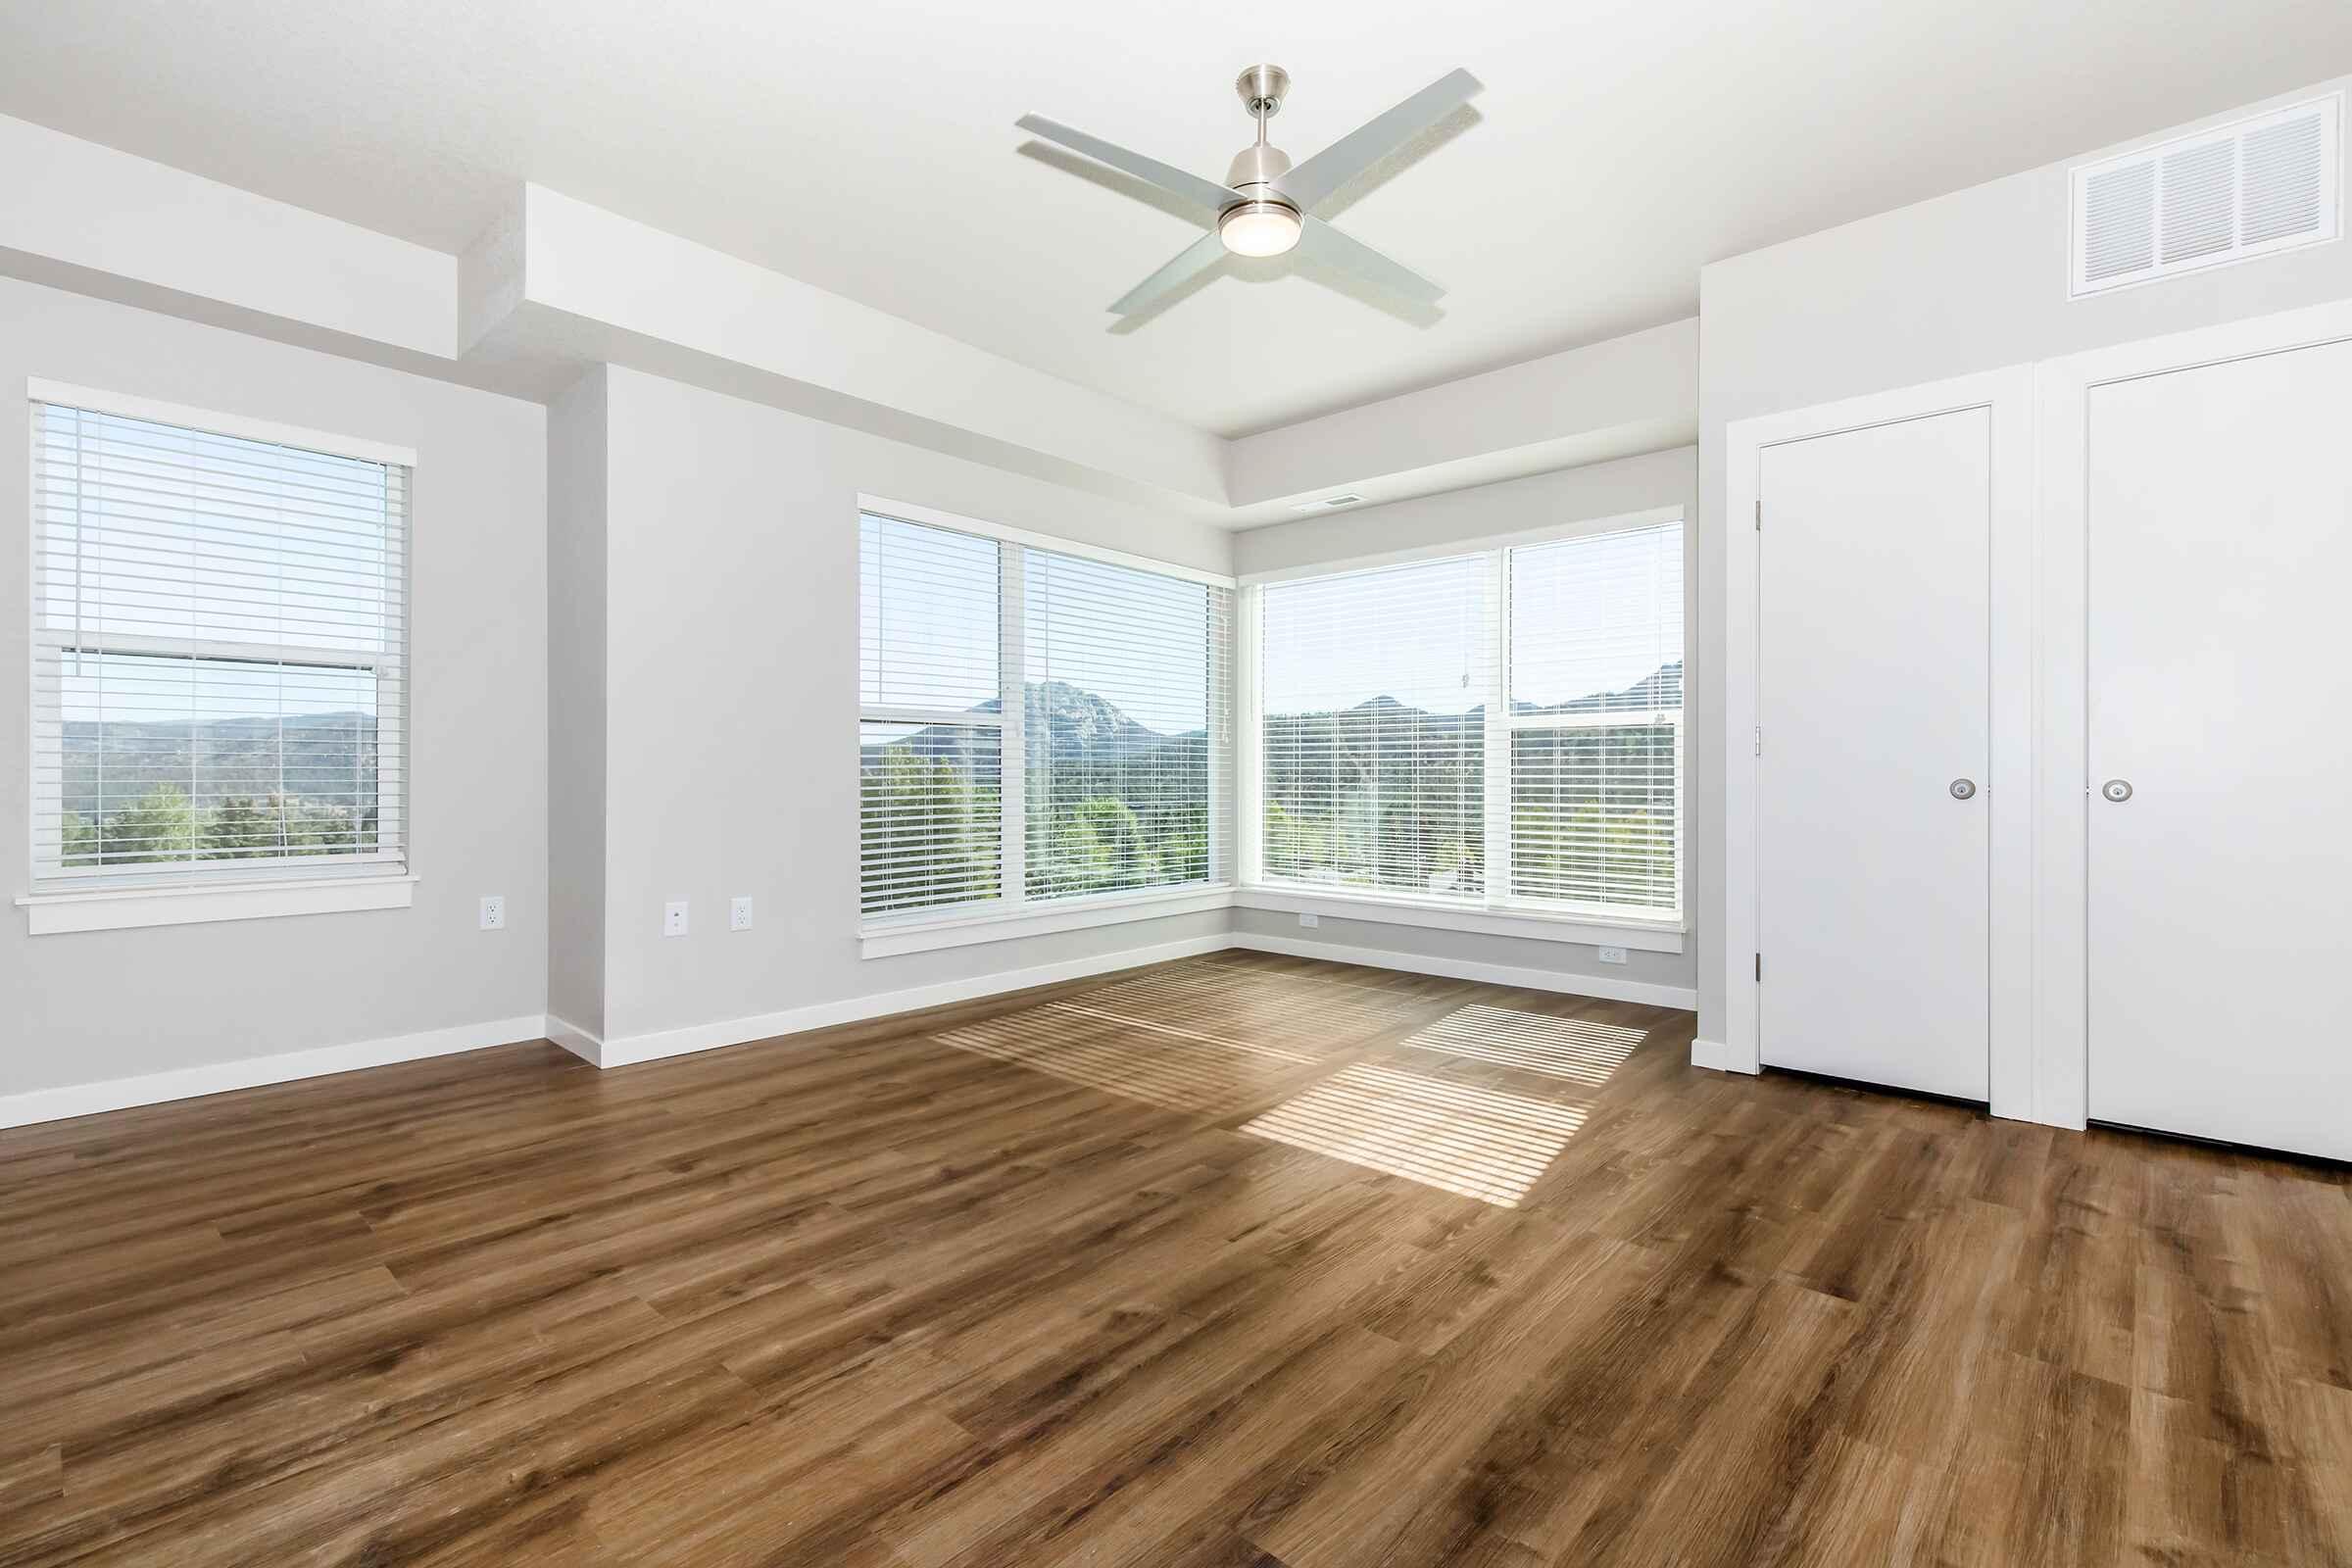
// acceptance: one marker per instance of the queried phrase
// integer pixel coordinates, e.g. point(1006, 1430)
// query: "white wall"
point(1971, 281)
point(575, 703)
point(1515, 505)
point(95, 1006)
point(732, 620)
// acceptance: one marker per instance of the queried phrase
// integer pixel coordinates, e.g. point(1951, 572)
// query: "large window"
point(1106, 777)
point(1491, 730)
point(219, 646)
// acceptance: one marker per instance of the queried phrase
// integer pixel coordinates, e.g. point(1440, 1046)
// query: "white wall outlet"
point(1612, 954)
point(739, 916)
point(494, 912)
point(673, 918)
point(1310, 921)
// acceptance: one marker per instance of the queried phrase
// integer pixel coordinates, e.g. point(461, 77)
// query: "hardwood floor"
point(1237, 1261)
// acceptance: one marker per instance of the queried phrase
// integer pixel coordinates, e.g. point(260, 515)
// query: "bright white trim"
point(572, 1037)
point(1683, 998)
point(251, 1072)
point(632, 1049)
point(192, 902)
point(2008, 396)
point(127, 406)
point(1663, 936)
point(1711, 1054)
point(1550, 533)
point(2061, 1084)
point(1041, 917)
point(956, 522)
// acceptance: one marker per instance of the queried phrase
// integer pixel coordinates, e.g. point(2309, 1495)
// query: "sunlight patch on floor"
point(1160, 1064)
point(1479, 1143)
point(1532, 1041)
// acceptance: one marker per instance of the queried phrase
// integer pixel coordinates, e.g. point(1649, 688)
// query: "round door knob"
point(1963, 788)
point(2116, 789)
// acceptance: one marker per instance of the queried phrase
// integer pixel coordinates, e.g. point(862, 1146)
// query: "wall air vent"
point(2265, 185)
point(1327, 502)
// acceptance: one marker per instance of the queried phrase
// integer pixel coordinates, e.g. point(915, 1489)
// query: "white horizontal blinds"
point(220, 627)
point(1374, 688)
point(930, 737)
point(1596, 704)
point(1121, 671)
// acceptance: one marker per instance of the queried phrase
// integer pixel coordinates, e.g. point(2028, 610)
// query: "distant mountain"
point(1075, 726)
point(321, 756)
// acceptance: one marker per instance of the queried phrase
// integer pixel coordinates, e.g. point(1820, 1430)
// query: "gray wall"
point(576, 703)
point(1971, 281)
point(91, 1005)
point(1515, 505)
point(732, 620)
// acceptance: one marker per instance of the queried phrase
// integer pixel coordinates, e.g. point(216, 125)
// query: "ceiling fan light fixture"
point(1260, 229)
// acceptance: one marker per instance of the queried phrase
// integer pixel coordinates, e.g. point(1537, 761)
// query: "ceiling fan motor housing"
point(1257, 164)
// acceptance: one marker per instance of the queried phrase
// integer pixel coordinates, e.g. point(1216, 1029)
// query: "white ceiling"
point(869, 149)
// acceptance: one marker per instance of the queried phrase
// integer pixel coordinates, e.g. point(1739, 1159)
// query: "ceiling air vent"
point(1327, 502)
point(2264, 184)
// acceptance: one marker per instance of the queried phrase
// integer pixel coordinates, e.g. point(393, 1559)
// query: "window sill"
point(888, 939)
point(1646, 935)
point(115, 908)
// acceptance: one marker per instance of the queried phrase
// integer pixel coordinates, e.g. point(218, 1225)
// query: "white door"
point(1873, 841)
point(2219, 509)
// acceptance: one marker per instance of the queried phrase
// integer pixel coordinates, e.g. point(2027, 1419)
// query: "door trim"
point(2008, 395)
point(2061, 826)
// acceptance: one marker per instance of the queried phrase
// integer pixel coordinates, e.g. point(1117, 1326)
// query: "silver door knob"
point(1963, 788)
point(2118, 790)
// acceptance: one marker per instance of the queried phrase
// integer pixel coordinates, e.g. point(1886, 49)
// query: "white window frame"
point(1493, 913)
point(110, 897)
point(1012, 914)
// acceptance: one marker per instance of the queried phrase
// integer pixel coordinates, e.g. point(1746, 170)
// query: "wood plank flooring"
point(1237, 1262)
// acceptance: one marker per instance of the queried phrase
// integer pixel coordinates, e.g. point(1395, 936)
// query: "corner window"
point(1495, 730)
point(1035, 726)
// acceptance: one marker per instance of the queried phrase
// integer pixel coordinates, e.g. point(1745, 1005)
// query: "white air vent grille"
point(2264, 184)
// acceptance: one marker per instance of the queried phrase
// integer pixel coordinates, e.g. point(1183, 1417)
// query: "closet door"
point(1873, 844)
point(2218, 512)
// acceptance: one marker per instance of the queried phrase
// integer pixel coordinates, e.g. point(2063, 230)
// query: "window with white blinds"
point(220, 644)
point(1110, 773)
point(1374, 688)
point(1595, 684)
point(1494, 730)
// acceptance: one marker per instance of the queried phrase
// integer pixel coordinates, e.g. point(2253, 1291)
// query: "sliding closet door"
point(1873, 846)
point(2219, 509)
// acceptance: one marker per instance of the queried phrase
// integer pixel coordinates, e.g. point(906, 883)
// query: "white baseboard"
point(577, 1040)
point(653, 1046)
point(1716, 1055)
point(1500, 975)
point(252, 1072)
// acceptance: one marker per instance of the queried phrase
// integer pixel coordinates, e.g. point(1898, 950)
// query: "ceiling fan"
point(1266, 207)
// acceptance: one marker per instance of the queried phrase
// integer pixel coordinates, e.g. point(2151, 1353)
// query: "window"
point(1375, 688)
point(1116, 743)
point(1499, 730)
point(219, 654)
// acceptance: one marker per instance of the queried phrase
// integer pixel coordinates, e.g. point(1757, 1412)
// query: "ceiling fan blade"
point(1323, 243)
point(1313, 182)
point(1190, 263)
point(1207, 194)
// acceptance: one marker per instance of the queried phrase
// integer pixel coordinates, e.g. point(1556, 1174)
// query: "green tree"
point(161, 825)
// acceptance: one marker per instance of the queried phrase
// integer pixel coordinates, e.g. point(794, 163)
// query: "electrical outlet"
point(1310, 921)
point(1612, 954)
point(739, 916)
point(673, 918)
point(494, 912)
